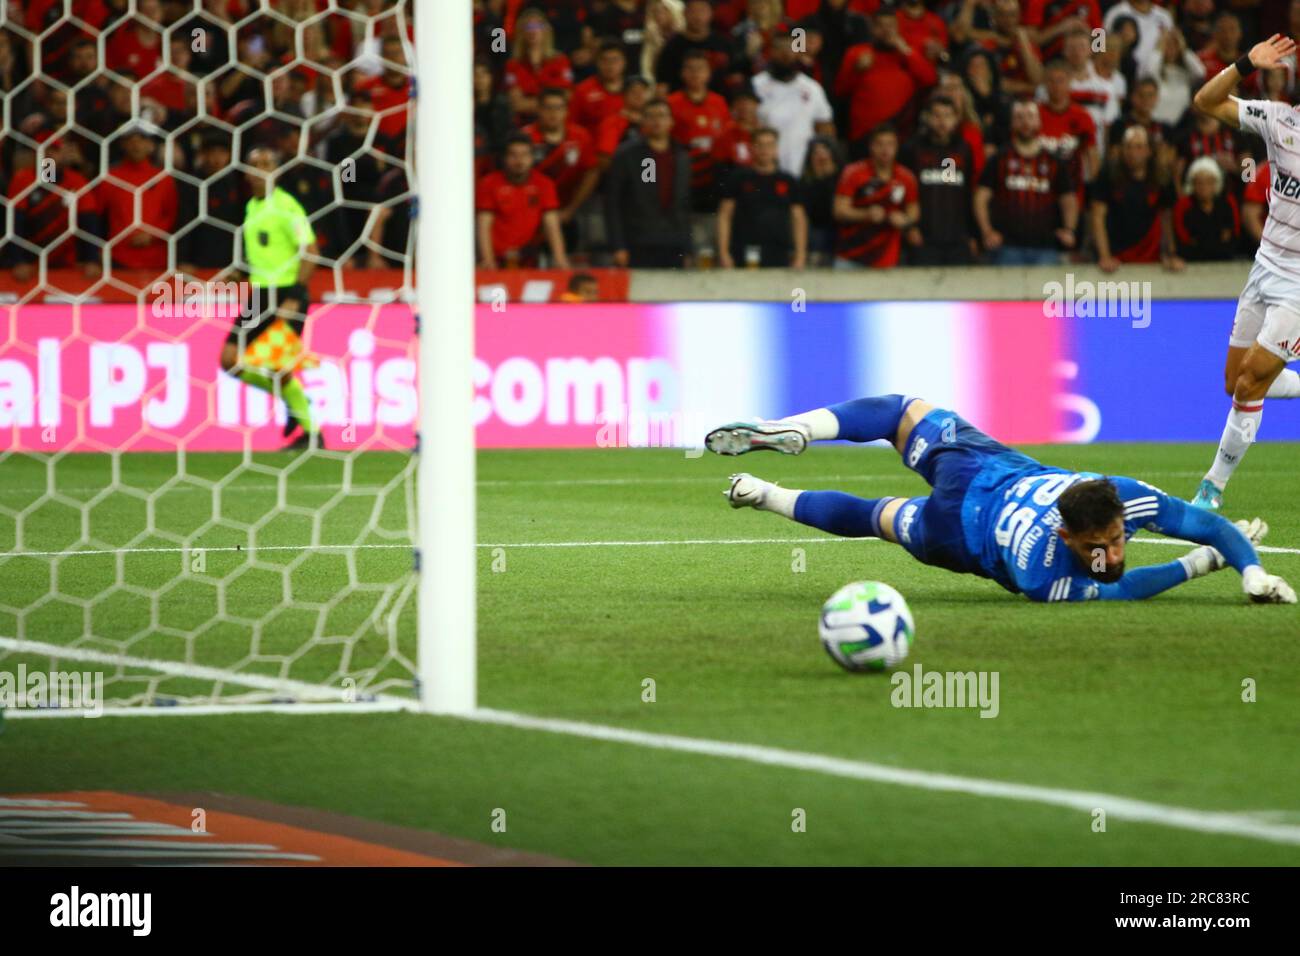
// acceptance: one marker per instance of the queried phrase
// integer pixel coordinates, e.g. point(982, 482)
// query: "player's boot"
point(307, 441)
point(1208, 496)
point(746, 491)
point(737, 438)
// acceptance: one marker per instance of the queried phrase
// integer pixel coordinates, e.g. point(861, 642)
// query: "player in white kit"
point(1266, 332)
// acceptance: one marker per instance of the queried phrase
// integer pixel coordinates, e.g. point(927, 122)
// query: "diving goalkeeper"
point(1052, 534)
point(264, 348)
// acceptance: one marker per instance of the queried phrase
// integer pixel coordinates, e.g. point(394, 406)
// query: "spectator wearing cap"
point(534, 64)
point(563, 152)
point(1132, 208)
point(761, 220)
point(792, 103)
point(615, 130)
point(1207, 224)
point(697, 34)
point(517, 211)
point(601, 95)
point(218, 208)
point(647, 196)
point(138, 243)
point(880, 79)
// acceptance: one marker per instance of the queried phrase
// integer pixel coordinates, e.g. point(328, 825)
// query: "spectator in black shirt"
point(1132, 208)
point(761, 218)
point(821, 177)
point(1142, 108)
point(944, 169)
point(647, 196)
point(697, 35)
point(1207, 224)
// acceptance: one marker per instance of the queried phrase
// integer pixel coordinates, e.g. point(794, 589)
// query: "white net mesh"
point(151, 528)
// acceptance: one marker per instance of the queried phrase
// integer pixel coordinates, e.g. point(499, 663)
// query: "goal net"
point(174, 529)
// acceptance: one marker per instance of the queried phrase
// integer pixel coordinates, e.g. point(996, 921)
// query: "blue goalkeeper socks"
point(838, 513)
point(869, 419)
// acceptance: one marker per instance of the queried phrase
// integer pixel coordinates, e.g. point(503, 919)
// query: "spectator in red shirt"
point(881, 79)
point(601, 95)
point(563, 152)
point(41, 212)
point(923, 29)
point(615, 129)
point(1132, 209)
point(733, 147)
point(516, 207)
point(875, 203)
point(135, 46)
point(135, 247)
point(1026, 206)
point(175, 89)
point(700, 118)
point(1224, 47)
point(1019, 62)
point(1067, 130)
point(389, 94)
point(1050, 20)
point(534, 64)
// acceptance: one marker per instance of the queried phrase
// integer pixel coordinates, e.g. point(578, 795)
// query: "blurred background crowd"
point(648, 133)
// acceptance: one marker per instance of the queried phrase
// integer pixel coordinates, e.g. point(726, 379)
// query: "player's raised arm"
point(1215, 97)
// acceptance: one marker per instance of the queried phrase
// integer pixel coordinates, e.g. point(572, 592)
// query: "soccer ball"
point(866, 626)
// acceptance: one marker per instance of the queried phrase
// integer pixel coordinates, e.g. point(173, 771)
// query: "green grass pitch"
point(1135, 700)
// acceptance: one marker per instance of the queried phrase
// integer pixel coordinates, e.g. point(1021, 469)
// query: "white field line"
point(664, 543)
point(1248, 825)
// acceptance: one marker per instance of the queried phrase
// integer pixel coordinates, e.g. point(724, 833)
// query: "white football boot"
point(738, 438)
point(746, 491)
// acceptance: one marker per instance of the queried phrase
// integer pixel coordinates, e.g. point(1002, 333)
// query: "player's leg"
point(860, 420)
point(1259, 368)
point(831, 511)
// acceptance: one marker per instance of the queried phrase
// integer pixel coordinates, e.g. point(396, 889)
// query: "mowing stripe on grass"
point(89, 552)
point(1250, 825)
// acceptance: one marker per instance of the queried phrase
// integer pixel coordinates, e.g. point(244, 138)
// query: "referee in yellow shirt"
point(279, 247)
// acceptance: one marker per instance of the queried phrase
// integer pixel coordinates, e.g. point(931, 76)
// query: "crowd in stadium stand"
point(653, 133)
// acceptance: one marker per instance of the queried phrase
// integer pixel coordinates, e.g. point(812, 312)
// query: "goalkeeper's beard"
point(1108, 575)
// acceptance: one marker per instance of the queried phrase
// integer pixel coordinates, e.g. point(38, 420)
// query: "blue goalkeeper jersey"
point(1010, 518)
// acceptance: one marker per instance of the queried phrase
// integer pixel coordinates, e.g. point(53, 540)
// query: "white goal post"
point(445, 298)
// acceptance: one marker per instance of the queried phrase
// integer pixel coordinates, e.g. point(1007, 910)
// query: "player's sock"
point(821, 423)
point(869, 419)
point(1241, 428)
point(845, 515)
point(1286, 385)
point(295, 396)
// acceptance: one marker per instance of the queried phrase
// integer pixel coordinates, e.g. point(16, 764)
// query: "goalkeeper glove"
point(1264, 588)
